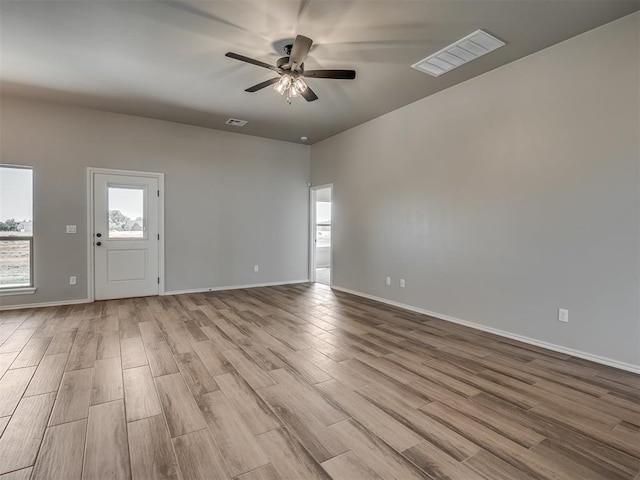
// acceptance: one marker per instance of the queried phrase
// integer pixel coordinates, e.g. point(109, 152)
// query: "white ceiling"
point(166, 60)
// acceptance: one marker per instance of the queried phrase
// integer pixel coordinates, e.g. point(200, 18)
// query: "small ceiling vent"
point(469, 48)
point(236, 123)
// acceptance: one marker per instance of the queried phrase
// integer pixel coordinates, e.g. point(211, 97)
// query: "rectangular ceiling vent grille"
point(469, 48)
point(236, 123)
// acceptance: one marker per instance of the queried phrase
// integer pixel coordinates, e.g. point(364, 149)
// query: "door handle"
point(98, 235)
point(98, 243)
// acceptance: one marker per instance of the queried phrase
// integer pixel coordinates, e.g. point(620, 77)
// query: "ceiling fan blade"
point(309, 95)
point(252, 61)
point(300, 49)
point(337, 74)
point(262, 85)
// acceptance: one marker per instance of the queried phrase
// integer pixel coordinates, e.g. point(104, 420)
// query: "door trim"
point(91, 171)
point(312, 233)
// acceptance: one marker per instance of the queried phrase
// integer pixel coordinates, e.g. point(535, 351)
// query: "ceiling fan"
point(291, 71)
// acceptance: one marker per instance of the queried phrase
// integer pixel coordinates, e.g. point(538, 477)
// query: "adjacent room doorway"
point(321, 230)
point(125, 234)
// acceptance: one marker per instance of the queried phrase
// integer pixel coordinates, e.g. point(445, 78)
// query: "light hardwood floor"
point(298, 382)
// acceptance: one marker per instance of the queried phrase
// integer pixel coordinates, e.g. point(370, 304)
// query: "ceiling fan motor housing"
point(283, 63)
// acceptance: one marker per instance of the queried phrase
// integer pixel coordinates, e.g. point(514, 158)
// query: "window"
point(126, 211)
point(16, 228)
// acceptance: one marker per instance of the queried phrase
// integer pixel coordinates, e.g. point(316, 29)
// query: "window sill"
point(17, 291)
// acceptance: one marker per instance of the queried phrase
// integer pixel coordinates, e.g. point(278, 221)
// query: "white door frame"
point(91, 171)
point(312, 233)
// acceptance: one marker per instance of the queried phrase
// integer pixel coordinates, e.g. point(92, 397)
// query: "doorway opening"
point(321, 202)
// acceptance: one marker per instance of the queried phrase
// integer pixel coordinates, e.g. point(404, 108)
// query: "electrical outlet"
point(71, 229)
point(388, 281)
point(563, 315)
point(256, 268)
point(402, 283)
point(73, 280)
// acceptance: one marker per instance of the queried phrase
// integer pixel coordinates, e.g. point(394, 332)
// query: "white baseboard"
point(44, 304)
point(174, 292)
point(629, 367)
point(235, 287)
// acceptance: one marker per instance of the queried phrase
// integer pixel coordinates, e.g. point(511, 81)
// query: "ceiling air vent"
point(469, 48)
point(236, 123)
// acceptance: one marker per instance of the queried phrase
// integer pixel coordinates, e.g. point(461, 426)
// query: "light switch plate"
point(72, 229)
point(563, 315)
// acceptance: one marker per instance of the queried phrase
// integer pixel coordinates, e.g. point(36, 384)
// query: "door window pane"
point(126, 211)
point(16, 227)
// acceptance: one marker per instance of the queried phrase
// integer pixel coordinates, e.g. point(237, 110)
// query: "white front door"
point(125, 235)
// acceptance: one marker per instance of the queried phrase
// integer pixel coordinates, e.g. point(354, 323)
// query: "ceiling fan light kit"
point(293, 86)
point(291, 71)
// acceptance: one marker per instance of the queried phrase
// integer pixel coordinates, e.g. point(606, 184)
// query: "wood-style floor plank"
point(72, 402)
point(17, 340)
point(107, 449)
point(255, 413)
point(84, 349)
point(152, 455)
point(437, 464)
point(3, 424)
point(141, 398)
point(133, 354)
point(62, 452)
point(349, 466)
point(298, 382)
point(387, 428)
point(248, 369)
point(107, 381)
point(108, 345)
point(150, 332)
point(385, 461)
point(263, 473)
point(6, 359)
point(289, 457)
point(24, 474)
point(316, 437)
point(199, 458)
point(198, 378)
point(180, 408)
point(212, 358)
point(12, 386)
point(61, 342)
point(160, 358)
point(22, 436)
point(232, 436)
point(32, 353)
point(48, 375)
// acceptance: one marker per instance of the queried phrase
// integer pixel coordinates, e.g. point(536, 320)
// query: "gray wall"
point(242, 200)
point(505, 197)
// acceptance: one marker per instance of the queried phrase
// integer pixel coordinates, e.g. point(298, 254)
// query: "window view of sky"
point(323, 212)
point(129, 201)
point(16, 193)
